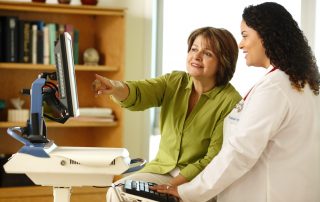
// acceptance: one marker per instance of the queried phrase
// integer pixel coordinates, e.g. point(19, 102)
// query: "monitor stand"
point(62, 168)
point(61, 194)
point(65, 167)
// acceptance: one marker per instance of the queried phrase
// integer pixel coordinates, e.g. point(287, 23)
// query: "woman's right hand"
point(102, 85)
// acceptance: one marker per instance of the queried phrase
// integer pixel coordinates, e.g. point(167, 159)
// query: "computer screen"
point(66, 74)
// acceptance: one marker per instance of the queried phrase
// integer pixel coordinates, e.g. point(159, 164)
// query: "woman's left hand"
point(168, 189)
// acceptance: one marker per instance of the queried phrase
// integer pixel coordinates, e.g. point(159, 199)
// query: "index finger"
point(159, 187)
point(101, 78)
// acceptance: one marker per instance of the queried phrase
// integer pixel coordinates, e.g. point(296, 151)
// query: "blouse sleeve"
point(144, 94)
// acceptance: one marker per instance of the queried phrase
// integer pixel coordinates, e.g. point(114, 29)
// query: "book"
point(46, 45)
point(1, 39)
point(60, 28)
point(20, 40)
point(93, 119)
point(27, 42)
point(52, 39)
point(10, 44)
point(34, 32)
point(95, 112)
point(76, 46)
point(69, 28)
point(40, 42)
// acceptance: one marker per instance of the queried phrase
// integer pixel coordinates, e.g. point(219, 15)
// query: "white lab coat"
point(270, 151)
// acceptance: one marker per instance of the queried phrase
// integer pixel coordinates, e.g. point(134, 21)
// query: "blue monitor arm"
point(35, 133)
point(37, 127)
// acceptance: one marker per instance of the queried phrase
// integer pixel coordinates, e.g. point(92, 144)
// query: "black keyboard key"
point(141, 188)
point(134, 185)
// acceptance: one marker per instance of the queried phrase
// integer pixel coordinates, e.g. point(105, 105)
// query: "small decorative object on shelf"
point(39, 1)
point(18, 114)
point(91, 56)
point(89, 2)
point(64, 1)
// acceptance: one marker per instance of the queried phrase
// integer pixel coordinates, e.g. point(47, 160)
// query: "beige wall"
point(137, 66)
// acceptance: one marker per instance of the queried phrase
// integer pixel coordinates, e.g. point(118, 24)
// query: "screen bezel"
point(66, 74)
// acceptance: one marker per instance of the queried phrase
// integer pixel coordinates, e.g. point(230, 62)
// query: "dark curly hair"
point(285, 43)
point(224, 46)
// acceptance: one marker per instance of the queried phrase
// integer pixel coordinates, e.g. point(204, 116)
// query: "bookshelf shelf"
point(70, 123)
point(44, 194)
point(100, 28)
point(23, 66)
point(61, 8)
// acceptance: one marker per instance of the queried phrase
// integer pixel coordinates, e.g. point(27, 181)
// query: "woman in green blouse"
point(193, 106)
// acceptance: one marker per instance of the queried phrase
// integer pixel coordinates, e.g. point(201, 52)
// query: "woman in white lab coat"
point(270, 151)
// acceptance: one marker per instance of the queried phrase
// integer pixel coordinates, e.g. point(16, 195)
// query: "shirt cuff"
point(184, 191)
point(190, 172)
point(130, 100)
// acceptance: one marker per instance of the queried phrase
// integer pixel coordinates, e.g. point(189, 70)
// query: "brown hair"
point(224, 46)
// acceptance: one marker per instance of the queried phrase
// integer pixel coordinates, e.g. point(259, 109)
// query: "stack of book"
point(26, 41)
point(96, 115)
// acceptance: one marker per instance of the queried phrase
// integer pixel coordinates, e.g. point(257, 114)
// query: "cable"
point(112, 185)
point(49, 96)
point(51, 84)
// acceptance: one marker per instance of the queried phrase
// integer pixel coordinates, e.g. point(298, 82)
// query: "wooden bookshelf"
point(100, 28)
point(44, 194)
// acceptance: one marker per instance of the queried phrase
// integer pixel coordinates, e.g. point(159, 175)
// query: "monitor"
point(65, 72)
point(61, 99)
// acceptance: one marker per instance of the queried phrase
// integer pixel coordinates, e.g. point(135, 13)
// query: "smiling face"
point(202, 63)
point(252, 47)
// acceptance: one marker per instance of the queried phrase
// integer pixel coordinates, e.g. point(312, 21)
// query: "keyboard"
point(141, 188)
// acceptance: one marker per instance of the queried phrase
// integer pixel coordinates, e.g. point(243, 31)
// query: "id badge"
point(234, 116)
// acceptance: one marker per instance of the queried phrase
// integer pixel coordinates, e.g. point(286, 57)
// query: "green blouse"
point(187, 143)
